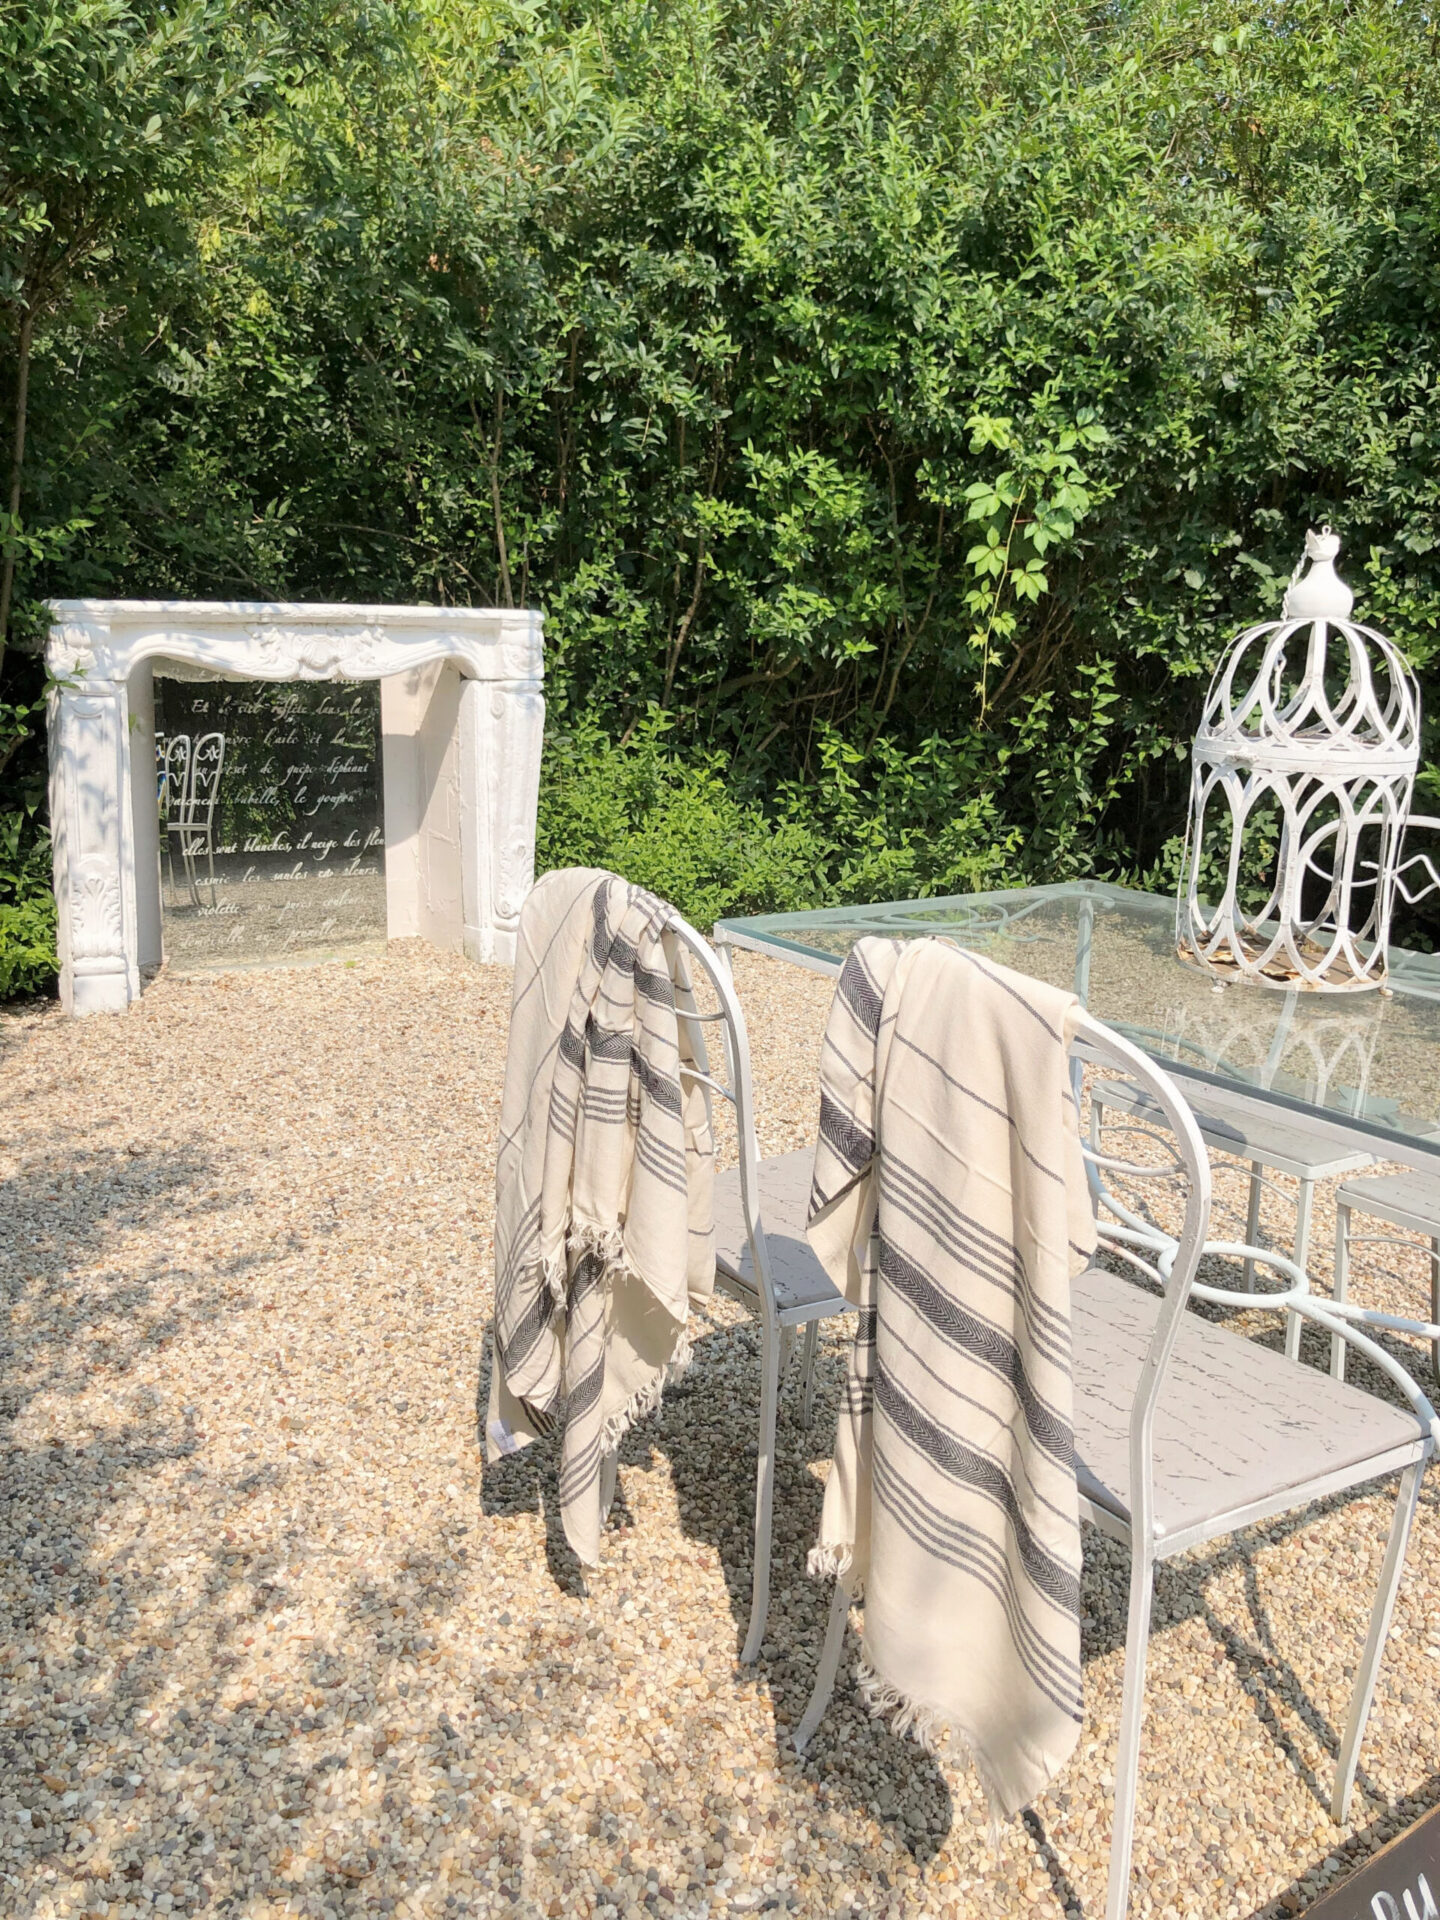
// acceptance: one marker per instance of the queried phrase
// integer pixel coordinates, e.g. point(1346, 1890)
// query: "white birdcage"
point(1300, 791)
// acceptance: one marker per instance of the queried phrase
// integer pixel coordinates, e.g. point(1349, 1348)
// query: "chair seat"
point(1249, 1129)
point(1238, 1427)
point(1410, 1200)
point(803, 1289)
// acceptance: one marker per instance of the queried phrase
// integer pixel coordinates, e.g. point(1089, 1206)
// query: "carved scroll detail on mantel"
point(72, 651)
point(289, 653)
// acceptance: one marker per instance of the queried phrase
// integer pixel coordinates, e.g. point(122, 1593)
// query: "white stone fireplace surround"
point(461, 719)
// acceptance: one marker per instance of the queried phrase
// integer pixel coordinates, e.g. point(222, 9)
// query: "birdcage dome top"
point(1313, 690)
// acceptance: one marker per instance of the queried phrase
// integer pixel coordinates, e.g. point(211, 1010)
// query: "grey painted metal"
point(802, 1289)
point(1185, 1431)
point(1304, 1147)
point(1232, 1434)
point(762, 1258)
point(1404, 1200)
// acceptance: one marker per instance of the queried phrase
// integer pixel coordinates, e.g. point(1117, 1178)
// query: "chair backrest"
point(1172, 1256)
point(1166, 1256)
point(174, 774)
point(207, 762)
point(737, 1088)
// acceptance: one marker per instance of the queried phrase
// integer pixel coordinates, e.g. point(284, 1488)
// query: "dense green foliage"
point(27, 906)
point(893, 407)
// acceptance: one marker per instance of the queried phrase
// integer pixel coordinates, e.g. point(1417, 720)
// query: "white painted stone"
point(419, 717)
point(461, 715)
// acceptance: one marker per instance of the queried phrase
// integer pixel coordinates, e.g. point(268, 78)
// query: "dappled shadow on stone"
point(1349, 1853)
point(280, 1650)
point(707, 1435)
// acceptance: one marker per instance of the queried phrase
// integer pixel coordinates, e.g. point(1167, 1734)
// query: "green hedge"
point(27, 907)
point(906, 403)
point(698, 834)
point(27, 947)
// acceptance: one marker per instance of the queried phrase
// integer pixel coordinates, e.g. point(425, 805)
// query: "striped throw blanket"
point(604, 1182)
point(950, 1204)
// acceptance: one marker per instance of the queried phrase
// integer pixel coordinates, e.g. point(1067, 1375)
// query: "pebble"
point(272, 1643)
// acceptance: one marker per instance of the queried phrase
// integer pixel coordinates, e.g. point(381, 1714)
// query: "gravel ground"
point(271, 1644)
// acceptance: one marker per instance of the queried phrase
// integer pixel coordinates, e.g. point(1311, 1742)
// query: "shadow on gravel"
point(707, 1436)
point(1352, 1852)
point(118, 1670)
point(66, 1585)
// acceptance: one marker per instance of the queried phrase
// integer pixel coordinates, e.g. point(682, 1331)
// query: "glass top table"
point(1368, 1061)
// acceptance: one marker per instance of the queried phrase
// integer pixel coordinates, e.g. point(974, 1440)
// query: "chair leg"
point(787, 1349)
point(807, 1372)
point(1405, 1504)
point(1252, 1224)
point(825, 1673)
point(1132, 1712)
point(1303, 1203)
point(609, 1470)
point(764, 1490)
point(1435, 1307)
point(1342, 1280)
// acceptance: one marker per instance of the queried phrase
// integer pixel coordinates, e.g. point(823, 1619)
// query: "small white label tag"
point(503, 1438)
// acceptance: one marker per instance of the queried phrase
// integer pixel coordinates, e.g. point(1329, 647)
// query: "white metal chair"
point(1305, 1148)
point(197, 809)
point(762, 1258)
point(173, 783)
point(1405, 1200)
point(1185, 1431)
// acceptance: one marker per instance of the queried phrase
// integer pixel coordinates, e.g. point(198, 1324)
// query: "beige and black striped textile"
point(604, 1182)
point(950, 1204)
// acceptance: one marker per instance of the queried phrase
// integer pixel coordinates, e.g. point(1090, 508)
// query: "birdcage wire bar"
point(1299, 797)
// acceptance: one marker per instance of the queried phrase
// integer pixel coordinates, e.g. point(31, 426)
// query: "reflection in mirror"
point(271, 820)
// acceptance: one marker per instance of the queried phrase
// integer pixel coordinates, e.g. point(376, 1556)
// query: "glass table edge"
point(759, 933)
point(763, 925)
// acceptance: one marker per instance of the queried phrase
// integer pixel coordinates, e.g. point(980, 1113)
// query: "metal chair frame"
point(1171, 1262)
point(1431, 882)
point(777, 1325)
point(173, 755)
point(1348, 1201)
point(197, 812)
point(1304, 1173)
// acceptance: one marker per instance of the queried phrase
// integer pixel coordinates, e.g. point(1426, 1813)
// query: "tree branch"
point(17, 471)
point(509, 598)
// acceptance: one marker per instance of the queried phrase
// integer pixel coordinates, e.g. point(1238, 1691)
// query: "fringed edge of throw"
point(554, 1277)
point(930, 1728)
point(926, 1726)
point(638, 1407)
point(835, 1562)
point(646, 1400)
point(607, 1242)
